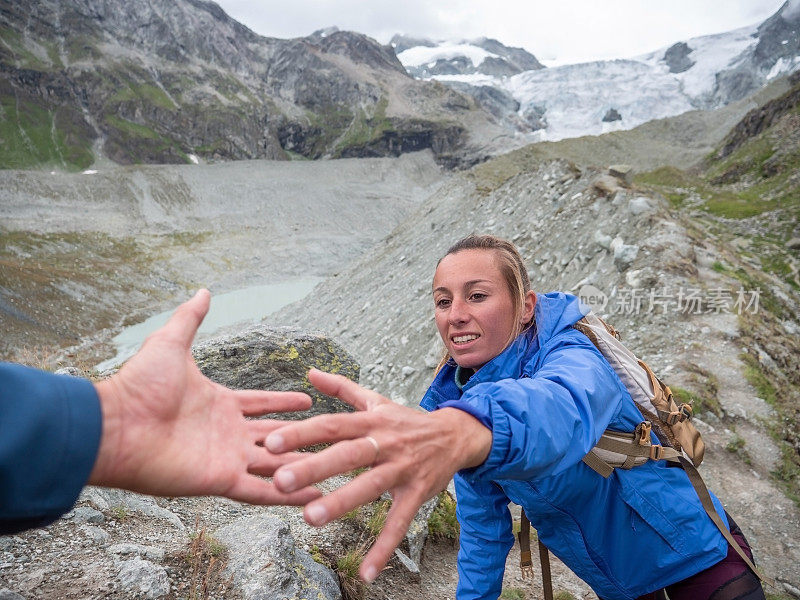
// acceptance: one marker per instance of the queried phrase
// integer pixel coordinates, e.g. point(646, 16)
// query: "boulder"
point(606, 185)
point(265, 563)
point(612, 114)
point(640, 206)
point(144, 579)
point(622, 172)
point(266, 358)
point(624, 255)
point(677, 57)
point(793, 244)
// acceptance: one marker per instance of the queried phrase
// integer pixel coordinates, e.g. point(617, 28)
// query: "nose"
point(458, 313)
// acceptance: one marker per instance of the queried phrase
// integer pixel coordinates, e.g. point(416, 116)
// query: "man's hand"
point(170, 431)
point(412, 454)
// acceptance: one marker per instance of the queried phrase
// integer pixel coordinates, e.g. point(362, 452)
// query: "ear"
point(528, 306)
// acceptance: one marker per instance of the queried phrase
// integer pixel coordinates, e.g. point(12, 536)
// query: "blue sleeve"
point(50, 428)
point(484, 541)
point(548, 422)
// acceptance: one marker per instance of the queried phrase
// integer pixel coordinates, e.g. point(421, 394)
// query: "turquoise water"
point(248, 304)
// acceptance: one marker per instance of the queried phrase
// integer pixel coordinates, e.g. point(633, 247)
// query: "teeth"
point(460, 339)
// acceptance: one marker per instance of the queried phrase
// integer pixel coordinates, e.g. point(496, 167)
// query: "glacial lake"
point(250, 304)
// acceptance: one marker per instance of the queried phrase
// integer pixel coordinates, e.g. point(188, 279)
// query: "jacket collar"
point(507, 364)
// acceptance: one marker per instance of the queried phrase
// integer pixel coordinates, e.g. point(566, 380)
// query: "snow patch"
point(782, 66)
point(711, 54)
point(89, 172)
point(422, 55)
point(194, 159)
point(471, 78)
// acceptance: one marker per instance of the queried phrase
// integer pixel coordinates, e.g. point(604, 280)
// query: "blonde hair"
point(512, 269)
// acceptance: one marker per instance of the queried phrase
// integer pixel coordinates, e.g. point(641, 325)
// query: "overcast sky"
point(555, 31)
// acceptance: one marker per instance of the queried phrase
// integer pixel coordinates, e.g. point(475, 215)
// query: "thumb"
point(183, 324)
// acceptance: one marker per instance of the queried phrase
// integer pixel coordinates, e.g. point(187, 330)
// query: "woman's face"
point(473, 307)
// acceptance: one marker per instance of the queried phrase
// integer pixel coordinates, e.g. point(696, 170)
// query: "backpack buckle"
point(656, 452)
point(643, 433)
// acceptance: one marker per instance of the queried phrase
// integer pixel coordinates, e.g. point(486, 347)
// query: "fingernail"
point(275, 442)
point(285, 480)
point(370, 573)
point(316, 514)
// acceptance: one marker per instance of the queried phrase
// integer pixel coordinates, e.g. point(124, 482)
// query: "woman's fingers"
point(318, 430)
point(365, 488)
point(313, 468)
point(265, 463)
point(346, 390)
point(254, 490)
point(394, 530)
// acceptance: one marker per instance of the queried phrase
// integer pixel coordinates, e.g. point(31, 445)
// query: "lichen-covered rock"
point(264, 358)
point(265, 563)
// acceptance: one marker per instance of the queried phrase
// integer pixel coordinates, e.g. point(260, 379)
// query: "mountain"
point(597, 97)
point(166, 81)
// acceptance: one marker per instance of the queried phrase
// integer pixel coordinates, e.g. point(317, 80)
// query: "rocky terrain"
point(157, 81)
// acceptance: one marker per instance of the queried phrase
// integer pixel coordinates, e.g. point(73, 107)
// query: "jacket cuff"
point(51, 433)
point(483, 416)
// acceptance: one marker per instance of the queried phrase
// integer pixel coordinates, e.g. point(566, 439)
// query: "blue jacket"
point(547, 398)
point(49, 435)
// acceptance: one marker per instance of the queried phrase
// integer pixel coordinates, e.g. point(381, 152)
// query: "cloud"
point(570, 30)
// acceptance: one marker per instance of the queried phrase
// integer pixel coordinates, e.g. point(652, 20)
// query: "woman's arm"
point(416, 456)
point(548, 422)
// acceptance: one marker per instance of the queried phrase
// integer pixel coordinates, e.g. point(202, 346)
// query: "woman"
point(520, 399)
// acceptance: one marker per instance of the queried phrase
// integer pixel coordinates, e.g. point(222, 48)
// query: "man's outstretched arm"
point(157, 427)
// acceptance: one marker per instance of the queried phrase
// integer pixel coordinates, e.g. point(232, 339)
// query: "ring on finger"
point(375, 445)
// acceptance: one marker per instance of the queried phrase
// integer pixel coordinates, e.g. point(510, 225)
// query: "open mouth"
point(460, 340)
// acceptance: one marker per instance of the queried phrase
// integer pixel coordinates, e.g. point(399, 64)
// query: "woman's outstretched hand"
point(412, 454)
point(170, 431)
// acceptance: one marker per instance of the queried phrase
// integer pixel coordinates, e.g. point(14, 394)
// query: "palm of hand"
point(171, 431)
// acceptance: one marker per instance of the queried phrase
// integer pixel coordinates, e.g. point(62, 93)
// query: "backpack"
point(680, 442)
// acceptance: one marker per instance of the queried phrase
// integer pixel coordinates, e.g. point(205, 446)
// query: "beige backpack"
point(680, 442)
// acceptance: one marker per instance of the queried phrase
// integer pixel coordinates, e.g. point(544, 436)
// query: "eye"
point(478, 296)
point(442, 303)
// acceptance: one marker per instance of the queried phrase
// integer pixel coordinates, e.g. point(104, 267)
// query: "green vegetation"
point(512, 594)
point(443, 523)
point(34, 136)
point(347, 570)
point(144, 93)
point(317, 555)
point(377, 520)
point(120, 513)
point(141, 143)
point(12, 43)
point(563, 595)
point(364, 129)
point(705, 398)
point(758, 378)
